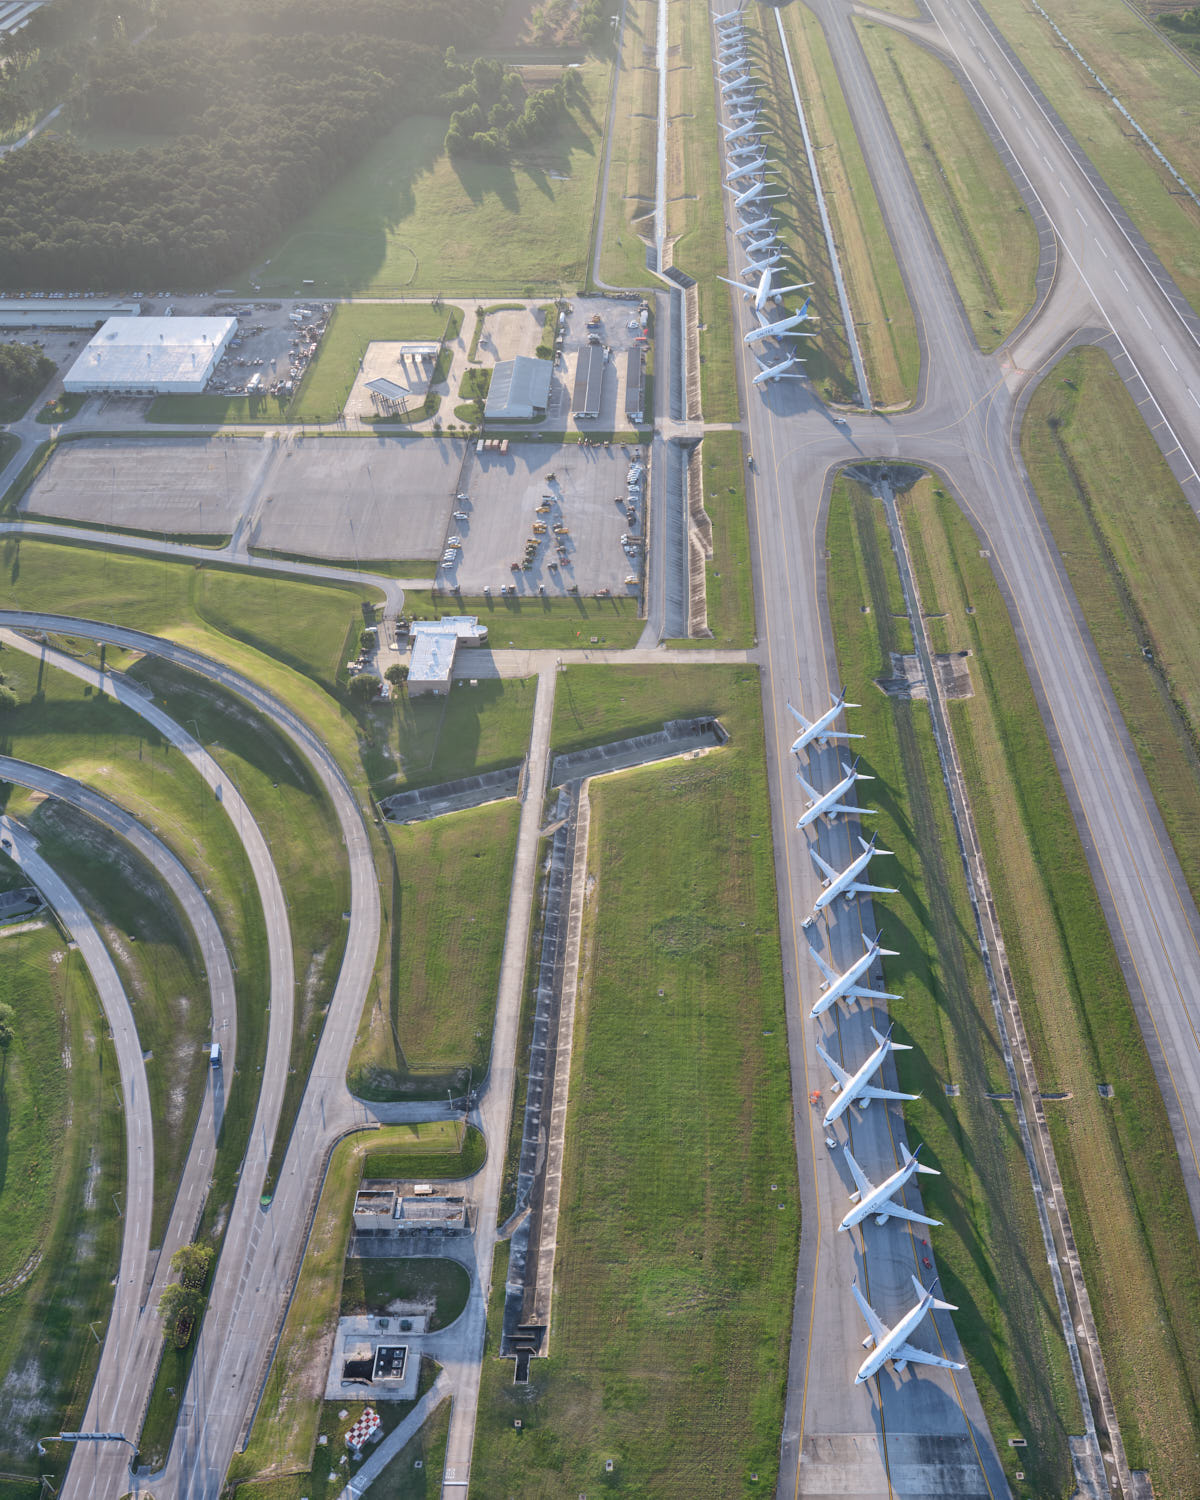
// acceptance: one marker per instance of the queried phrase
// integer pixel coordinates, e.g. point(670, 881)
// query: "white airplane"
point(854, 1088)
point(763, 227)
point(734, 62)
point(753, 194)
point(748, 168)
point(738, 132)
point(870, 1199)
point(745, 148)
point(766, 253)
point(845, 986)
point(846, 882)
point(789, 369)
point(733, 85)
point(727, 15)
point(783, 328)
point(829, 804)
point(892, 1343)
point(762, 289)
point(819, 731)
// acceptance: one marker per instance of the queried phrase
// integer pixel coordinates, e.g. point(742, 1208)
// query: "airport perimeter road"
point(923, 1433)
point(139, 1127)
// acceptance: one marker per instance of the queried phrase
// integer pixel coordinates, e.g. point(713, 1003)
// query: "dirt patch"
point(908, 680)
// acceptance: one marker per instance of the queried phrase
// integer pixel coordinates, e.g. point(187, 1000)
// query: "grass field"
point(283, 1438)
point(1158, 89)
point(9, 443)
point(989, 1248)
point(984, 229)
point(62, 1147)
point(882, 312)
point(1131, 547)
point(728, 583)
point(409, 220)
point(67, 405)
point(1117, 1156)
point(449, 898)
point(437, 1149)
point(538, 622)
point(374, 1286)
point(629, 209)
point(593, 705)
point(674, 1280)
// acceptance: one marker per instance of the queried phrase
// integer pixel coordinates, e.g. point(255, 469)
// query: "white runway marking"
point(1167, 352)
point(1142, 315)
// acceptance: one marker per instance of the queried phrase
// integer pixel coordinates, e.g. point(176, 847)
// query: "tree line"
point(495, 114)
point(23, 372)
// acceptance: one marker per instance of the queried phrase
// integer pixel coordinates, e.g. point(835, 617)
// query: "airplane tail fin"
point(878, 939)
point(912, 1156)
point(886, 1040)
point(933, 1301)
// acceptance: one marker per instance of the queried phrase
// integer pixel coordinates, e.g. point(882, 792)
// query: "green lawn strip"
point(883, 314)
point(697, 205)
point(304, 838)
point(353, 326)
point(629, 207)
point(64, 1143)
point(30, 470)
point(409, 220)
point(62, 410)
point(1119, 1161)
point(429, 739)
point(728, 584)
point(984, 229)
point(1130, 544)
point(827, 356)
point(533, 958)
point(9, 443)
point(403, 1479)
point(595, 705)
point(161, 972)
point(476, 383)
point(1168, 220)
point(390, 567)
point(537, 622)
point(988, 1251)
point(450, 887)
point(373, 1286)
point(678, 1225)
point(283, 1438)
point(438, 1149)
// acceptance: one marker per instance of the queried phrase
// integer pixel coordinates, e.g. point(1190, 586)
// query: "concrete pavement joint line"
point(860, 372)
point(1022, 1082)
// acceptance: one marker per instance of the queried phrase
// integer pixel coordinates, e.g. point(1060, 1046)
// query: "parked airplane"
point(752, 194)
point(845, 986)
point(761, 288)
point(819, 732)
point(765, 253)
point(829, 804)
point(726, 16)
point(734, 85)
point(732, 65)
point(783, 328)
point(854, 1088)
point(892, 1343)
point(748, 168)
point(846, 882)
point(789, 369)
point(764, 228)
point(870, 1199)
point(739, 132)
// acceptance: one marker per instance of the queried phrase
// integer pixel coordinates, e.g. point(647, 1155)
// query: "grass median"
point(536, 623)
point(64, 1156)
point(981, 222)
point(989, 1248)
point(1117, 1155)
point(728, 584)
point(629, 208)
point(678, 1225)
point(432, 1031)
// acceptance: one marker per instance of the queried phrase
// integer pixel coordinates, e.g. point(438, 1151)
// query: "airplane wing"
point(827, 870)
point(907, 1354)
point(859, 889)
point(869, 1091)
point(896, 1210)
point(810, 791)
point(838, 1072)
point(861, 1181)
point(861, 992)
point(845, 807)
point(829, 974)
point(874, 1322)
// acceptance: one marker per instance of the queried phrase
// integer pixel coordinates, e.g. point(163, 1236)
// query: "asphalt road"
point(865, 1441)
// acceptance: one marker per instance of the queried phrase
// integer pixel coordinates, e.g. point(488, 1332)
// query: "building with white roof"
point(434, 645)
point(63, 312)
point(151, 356)
point(520, 390)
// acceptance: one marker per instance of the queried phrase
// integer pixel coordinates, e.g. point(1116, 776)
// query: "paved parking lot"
point(504, 492)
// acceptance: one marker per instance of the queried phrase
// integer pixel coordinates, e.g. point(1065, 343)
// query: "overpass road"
point(923, 1433)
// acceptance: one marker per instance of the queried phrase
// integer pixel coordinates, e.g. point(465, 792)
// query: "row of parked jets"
point(746, 179)
point(882, 1200)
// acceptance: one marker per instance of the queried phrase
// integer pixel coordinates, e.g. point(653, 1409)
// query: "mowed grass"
point(883, 315)
point(63, 1148)
point(434, 1149)
point(729, 586)
point(409, 220)
point(1117, 1156)
point(283, 1438)
point(676, 1259)
point(595, 705)
point(374, 1287)
point(538, 622)
point(629, 207)
point(1157, 87)
point(449, 903)
point(984, 229)
point(988, 1251)
point(1131, 547)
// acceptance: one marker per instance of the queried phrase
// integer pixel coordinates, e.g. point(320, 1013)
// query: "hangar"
point(58, 312)
point(520, 389)
point(150, 356)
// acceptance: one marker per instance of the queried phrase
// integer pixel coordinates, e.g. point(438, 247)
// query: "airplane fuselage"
point(845, 982)
point(877, 1201)
point(898, 1336)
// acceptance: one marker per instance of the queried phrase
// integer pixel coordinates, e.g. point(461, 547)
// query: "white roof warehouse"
point(151, 356)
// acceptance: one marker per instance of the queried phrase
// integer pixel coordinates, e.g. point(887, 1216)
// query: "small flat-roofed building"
point(151, 356)
point(635, 385)
point(432, 1214)
point(520, 390)
point(434, 645)
point(374, 1209)
point(63, 312)
point(589, 381)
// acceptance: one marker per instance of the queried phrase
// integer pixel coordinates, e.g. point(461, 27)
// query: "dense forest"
point(259, 106)
point(494, 115)
point(23, 371)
